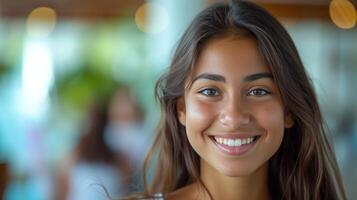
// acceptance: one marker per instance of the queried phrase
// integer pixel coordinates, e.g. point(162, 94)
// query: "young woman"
point(240, 119)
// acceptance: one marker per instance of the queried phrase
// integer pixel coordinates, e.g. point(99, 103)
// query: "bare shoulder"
point(187, 192)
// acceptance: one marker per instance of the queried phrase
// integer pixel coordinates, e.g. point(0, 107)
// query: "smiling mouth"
point(235, 146)
point(235, 142)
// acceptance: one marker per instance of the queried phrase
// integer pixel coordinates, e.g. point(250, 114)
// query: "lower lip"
point(235, 150)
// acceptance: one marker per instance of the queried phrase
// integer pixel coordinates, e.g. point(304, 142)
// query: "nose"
point(234, 115)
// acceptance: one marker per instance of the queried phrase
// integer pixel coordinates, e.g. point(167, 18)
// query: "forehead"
point(238, 56)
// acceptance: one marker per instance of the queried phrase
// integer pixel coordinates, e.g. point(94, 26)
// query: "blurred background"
point(76, 75)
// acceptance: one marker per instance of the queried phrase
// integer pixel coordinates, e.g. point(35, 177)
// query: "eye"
point(258, 92)
point(210, 92)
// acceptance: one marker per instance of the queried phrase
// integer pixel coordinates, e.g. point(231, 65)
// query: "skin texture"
point(232, 105)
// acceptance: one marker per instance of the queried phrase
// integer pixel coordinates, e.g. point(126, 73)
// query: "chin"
point(235, 171)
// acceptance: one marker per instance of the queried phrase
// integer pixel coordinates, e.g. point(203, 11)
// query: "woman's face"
point(232, 111)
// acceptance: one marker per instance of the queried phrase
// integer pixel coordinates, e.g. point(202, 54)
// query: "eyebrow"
point(213, 77)
point(220, 78)
point(257, 76)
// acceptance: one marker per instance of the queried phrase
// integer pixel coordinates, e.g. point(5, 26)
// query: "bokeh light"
point(151, 18)
point(41, 21)
point(343, 13)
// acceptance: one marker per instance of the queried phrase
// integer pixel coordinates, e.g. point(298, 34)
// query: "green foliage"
point(81, 87)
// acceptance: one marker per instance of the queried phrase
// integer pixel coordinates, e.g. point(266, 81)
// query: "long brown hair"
point(304, 166)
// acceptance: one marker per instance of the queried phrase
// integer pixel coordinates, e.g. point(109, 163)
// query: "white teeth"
point(225, 141)
point(234, 142)
point(230, 142)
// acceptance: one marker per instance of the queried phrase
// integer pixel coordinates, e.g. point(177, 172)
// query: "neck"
point(253, 186)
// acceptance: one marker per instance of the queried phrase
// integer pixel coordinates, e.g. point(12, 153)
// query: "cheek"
point(199, 115)
point(270, 117)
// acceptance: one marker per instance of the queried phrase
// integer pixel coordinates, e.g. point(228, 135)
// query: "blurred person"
point(3, 178)
point(109, 153)
point(126, 131)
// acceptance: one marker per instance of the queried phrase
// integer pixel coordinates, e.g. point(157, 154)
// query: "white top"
point(87, 179)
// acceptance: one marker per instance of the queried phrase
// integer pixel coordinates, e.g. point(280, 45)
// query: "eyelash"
point(250, 92)
point(204, 92)
point(260, 90)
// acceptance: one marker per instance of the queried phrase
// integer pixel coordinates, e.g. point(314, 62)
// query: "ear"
point(181, 110)
point(288, 121)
